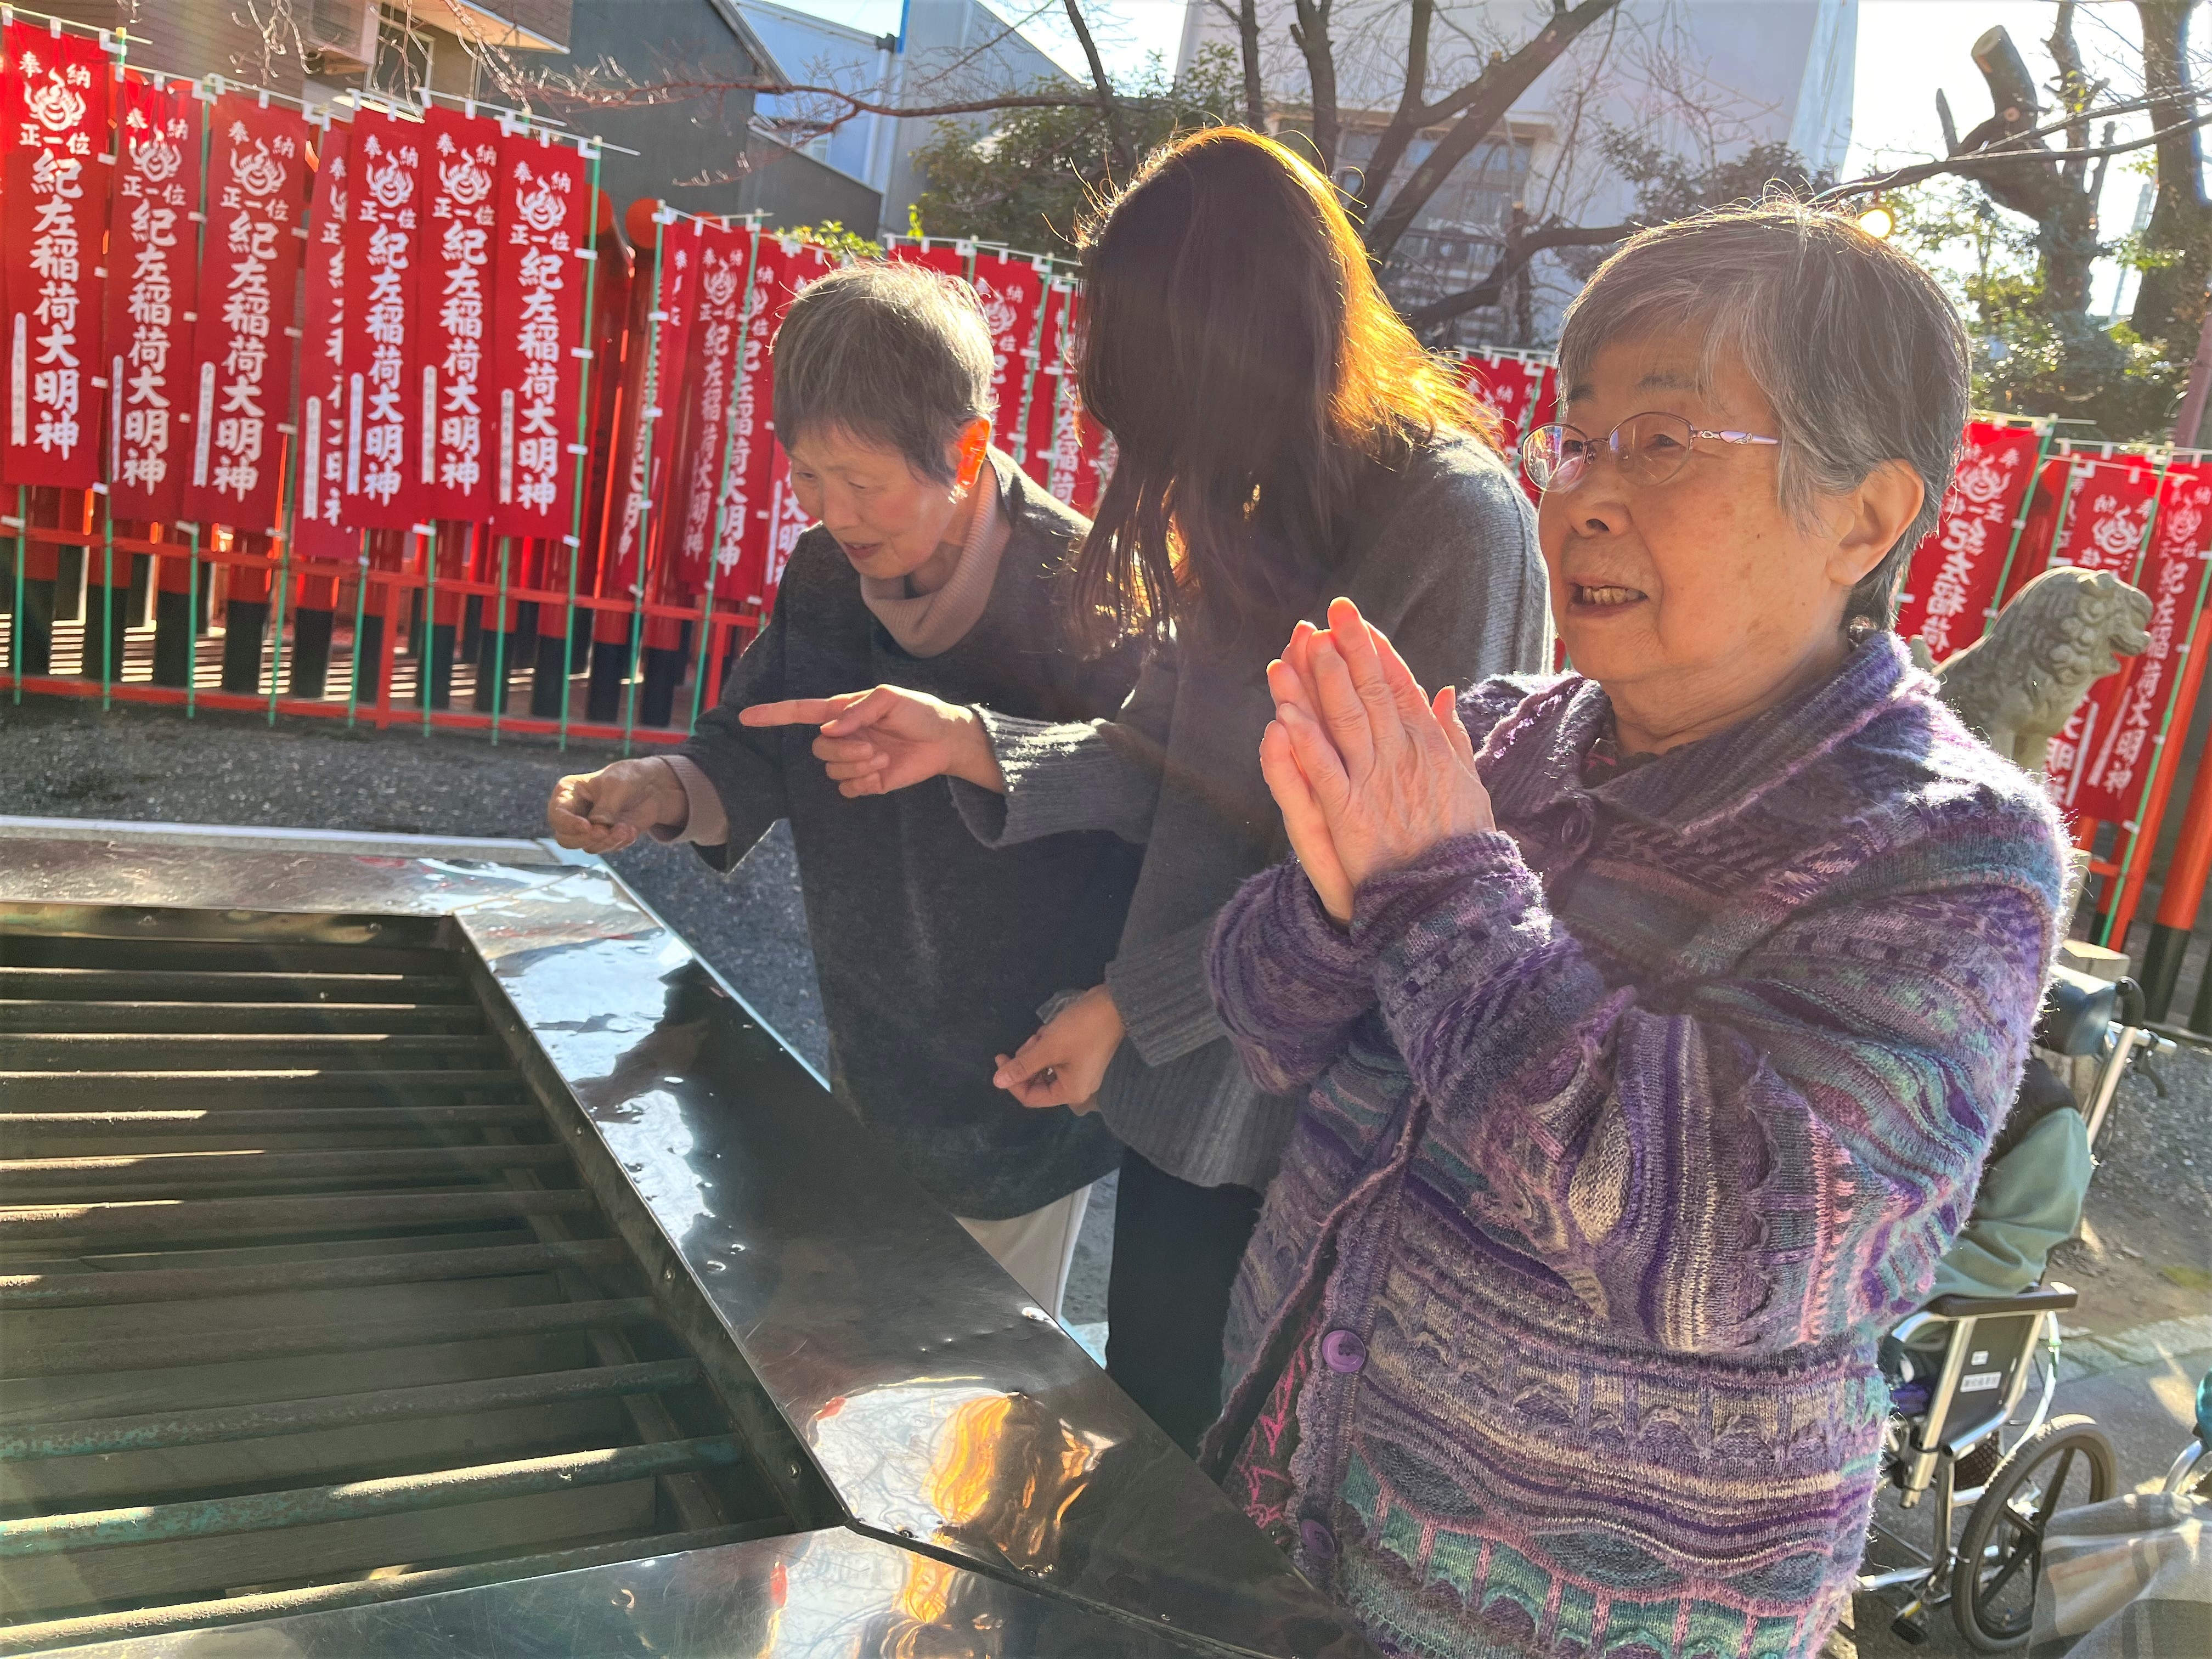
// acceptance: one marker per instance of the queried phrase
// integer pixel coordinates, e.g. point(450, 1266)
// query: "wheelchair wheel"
point(2065, 1463)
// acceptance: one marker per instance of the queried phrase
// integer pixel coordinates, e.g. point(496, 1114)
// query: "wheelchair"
point(1956, 1439)
point(2192, 1473)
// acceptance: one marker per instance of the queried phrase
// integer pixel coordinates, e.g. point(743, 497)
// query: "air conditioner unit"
point(341, 33)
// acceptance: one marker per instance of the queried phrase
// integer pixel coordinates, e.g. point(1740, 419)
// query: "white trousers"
point(1036, 1249)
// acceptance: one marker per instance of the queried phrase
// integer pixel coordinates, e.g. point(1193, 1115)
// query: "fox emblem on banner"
point(53, 206)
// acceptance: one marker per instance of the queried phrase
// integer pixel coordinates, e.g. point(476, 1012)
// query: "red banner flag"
point(384, 457)
point(454, 280)
point(742, 552)
point(724, 259)
point(152, 275)
point(321, 527)
point(951, 258)
point(2105, 527)
point(1055, 373)
point(787, 521)
point(1951, 580)
point(242, 349)
point(53, 213)
point(1082, 452)
point(1011, 290)
point(2114, 769)
point(544, 214)
point(1509, 387)
point(659, 334)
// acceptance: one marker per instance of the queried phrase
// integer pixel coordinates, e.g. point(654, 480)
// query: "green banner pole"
point(650, 414)
point(582, 445)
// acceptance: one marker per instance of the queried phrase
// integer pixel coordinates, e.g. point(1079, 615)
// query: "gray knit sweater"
point(1444, 560)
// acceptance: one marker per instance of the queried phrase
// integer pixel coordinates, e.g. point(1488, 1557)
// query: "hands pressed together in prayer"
point(1369, 770)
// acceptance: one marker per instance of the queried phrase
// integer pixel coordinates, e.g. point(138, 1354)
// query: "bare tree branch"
point(1311, 34)
point(1968, 166)
point(1110, 108)
point(1412, 114)
point(1520, 251)
point(670, 92)
point(1494, 92)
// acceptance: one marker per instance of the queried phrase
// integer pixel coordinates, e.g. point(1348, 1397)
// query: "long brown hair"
point(1254, 377)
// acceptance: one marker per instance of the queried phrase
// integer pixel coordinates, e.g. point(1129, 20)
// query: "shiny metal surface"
point(952, 1419)
point(808, 1597)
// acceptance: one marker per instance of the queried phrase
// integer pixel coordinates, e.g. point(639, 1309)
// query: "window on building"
point(401, 71)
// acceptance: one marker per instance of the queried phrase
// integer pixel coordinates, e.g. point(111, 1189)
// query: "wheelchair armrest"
point(2076, 1011)
point(2044, 1298)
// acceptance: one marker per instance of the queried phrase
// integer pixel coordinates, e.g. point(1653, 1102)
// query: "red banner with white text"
point(725, 260)
point(803, 262)
point(1011, 288)
point(53, 215)
point(545, 219)
point(152, 277)
point(660, 313)
point(385, 453)
point(322, 529)
point(1510, 386)
point(1951, 582)
point(2111, 774)
point(2105, 522)
point(454, 283)
point(242, 348)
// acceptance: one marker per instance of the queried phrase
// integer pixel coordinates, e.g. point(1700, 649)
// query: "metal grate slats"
point(299, 1285)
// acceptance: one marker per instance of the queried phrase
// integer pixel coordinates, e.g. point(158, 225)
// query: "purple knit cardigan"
point(1632, 1126)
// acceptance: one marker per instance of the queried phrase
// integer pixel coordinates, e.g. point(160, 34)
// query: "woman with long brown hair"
point(1282, 438)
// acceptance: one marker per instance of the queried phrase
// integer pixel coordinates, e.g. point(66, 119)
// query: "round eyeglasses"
point(1648, 449)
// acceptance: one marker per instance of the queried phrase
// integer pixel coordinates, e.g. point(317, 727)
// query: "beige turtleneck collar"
point(930, 624)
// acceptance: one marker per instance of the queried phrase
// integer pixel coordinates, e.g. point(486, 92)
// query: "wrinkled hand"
point(874, 742)
point(1065, 1061)
point(1310, 841)
point(605, 810)
point(1359, 752)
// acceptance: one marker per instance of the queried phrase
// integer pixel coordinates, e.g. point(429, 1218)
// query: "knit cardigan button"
point(1320, 1541)
point(1343, 1351)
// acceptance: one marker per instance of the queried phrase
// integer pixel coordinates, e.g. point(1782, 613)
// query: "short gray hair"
point(1855, 345)
point(897, 355)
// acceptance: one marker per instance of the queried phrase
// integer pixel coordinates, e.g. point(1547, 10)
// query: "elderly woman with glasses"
point(1655, 1016)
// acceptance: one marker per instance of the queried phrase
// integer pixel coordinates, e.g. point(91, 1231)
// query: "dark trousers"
point(1175, 1250)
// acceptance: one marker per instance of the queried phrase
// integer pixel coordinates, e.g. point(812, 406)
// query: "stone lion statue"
point(2019, 685)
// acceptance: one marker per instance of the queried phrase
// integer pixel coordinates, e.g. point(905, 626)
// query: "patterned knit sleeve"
point(1773, 1154)
point(1288, 983)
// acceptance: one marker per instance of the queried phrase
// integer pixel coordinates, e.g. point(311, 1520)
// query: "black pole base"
point(610, 666)
point(438, 671)
point(499, 661)
point(142, 588)
point(69, 583)
point(2200, 1016)
point(367, 657)
point(36, 625)
point(549, 676)
point(472, 612)
point(172, 638)
point(107, 614)
point(200, 623)
point(2161, 968)
point(664, 672)
point(245, 622)
point(311, 652)
point(580, 624)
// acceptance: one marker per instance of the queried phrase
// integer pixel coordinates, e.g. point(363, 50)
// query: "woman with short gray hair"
point(934, 562)
point(1655, 1016)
